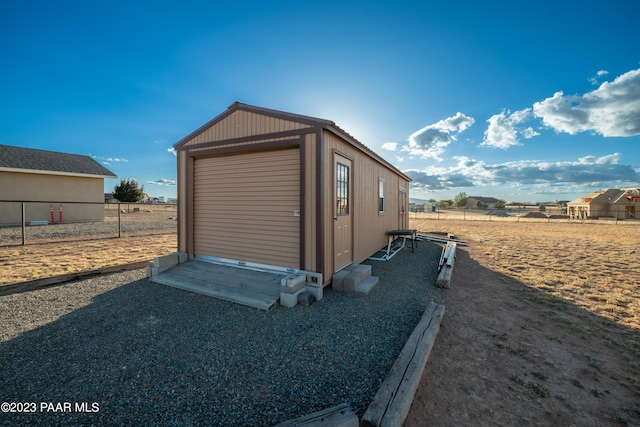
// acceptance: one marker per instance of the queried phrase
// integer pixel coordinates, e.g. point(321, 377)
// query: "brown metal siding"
point(309, 172)
point(243, 207)
point(240, 124)
point(369, 226)
point(184, 198)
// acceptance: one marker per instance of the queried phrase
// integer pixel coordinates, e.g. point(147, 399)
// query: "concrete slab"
point(258, 289)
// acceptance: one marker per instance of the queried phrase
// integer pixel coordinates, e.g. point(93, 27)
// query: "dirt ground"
point(542, 324)
point(35, 261)
point(542, 328)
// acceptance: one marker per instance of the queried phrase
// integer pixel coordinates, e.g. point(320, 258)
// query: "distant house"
point(51, 179)
point(614, 202)
point(486, 202)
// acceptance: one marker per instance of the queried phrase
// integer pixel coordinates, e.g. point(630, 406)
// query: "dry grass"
point(20, 263)
point(594, 266)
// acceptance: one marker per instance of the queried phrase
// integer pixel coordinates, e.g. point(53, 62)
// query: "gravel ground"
point(146, 354)
point(13, 235)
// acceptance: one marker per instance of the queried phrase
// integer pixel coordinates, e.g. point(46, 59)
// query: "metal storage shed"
point(270, 187)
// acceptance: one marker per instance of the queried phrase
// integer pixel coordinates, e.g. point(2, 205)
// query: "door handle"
point(335, 217)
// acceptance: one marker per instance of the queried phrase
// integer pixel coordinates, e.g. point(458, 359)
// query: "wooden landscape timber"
point(446, 265)
point(336, 416)
point(392, 402)
point(31, 285)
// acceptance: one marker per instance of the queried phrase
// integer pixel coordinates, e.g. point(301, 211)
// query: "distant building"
point(50, 178)
point(614, 202)
point(420, 207)
point(487, 202)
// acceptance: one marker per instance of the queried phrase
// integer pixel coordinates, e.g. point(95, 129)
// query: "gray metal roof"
point(50, 161)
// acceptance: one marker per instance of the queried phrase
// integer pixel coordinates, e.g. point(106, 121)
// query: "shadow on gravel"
point(147, 354)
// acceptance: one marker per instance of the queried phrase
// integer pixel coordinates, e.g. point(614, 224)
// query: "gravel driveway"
point(138, 353)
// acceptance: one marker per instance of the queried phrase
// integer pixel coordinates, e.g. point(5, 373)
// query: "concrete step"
point(365, 287)
point(357, 275)
point(349, 277)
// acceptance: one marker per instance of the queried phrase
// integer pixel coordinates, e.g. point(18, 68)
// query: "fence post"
point(24, 224)
point(119, 227)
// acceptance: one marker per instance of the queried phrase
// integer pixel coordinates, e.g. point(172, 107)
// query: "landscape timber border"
point(32, 285)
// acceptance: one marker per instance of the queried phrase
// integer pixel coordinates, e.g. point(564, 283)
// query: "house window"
point(381, 195)
point(342, 189)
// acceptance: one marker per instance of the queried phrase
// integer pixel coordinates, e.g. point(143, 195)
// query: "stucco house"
point(47, 178)
point(614, 202)
point(277, 188)
point(487, 202)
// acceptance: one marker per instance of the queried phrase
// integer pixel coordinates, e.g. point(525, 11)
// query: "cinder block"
point(154, 271)
point(293, 280)
point(365, 287)
point(299, 287)
point(167, 260)
point(315, 290)
point(305, 298)
point(182, 256)
point(292, 284)
point(289, 300)
point(337, 281)
point(355, 277)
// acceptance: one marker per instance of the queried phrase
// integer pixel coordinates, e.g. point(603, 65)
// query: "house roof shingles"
point(50, 161)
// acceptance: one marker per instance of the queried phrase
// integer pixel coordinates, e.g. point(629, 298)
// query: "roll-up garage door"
point(246, 207)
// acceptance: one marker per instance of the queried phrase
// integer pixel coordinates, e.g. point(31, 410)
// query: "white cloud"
point(594, 80)
point(172, 151)
point(529, 133)
point(430, 141)
point(503, 131)
point(163, 182)
point(109, 159)
point(611, 110)
point(390, 146)
point(603, 170)
point(611, 159)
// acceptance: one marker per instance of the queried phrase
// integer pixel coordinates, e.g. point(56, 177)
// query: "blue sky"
point(523, 101)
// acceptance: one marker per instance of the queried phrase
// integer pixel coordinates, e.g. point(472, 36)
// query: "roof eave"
point(58, 173)
point(359, 145)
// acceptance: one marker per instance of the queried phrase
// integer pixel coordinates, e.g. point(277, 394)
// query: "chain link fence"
point(526, 215)
point(23, 222)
